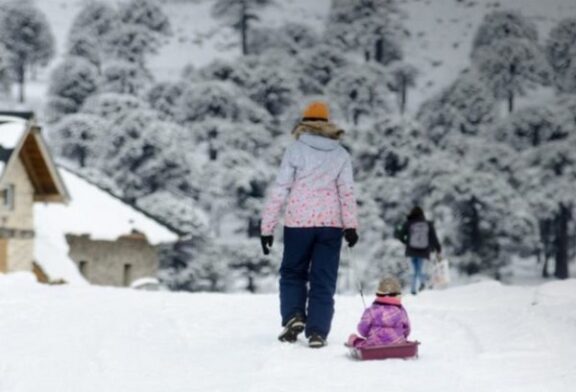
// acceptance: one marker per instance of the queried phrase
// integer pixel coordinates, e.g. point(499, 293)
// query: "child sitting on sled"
point(385, 321)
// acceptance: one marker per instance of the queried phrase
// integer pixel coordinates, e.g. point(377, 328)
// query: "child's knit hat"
point(389, 286)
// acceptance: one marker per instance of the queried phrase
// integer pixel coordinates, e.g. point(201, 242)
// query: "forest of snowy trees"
point(198, 153)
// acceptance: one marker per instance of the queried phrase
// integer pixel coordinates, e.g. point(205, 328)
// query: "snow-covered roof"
point(93, 212)
point(11, 131)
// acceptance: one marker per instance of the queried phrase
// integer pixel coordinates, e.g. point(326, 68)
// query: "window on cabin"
point(127, 274)
point(83, 268)
point(8, 200)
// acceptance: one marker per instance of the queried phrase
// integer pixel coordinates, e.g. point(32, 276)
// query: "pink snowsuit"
point(385, 322)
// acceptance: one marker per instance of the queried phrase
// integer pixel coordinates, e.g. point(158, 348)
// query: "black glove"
point(351, 237)
point(266, 241)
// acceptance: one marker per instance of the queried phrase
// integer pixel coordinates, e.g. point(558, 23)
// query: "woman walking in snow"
point(420, 239)
point(316, 184)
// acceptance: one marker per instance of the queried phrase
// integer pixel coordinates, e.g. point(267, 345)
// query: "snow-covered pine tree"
point(124, 77)
point(485, 221)
point(224, 71)
point(130, 42)
point(290, 38)
point(26, 34)
point(370, 26)
point(271, 85)
point(359, 91)
point(194, 264)
point(164, 97)
point(87, 47)
point(466, 107)
point(79, 139)
point(561, 53)
point(145, 13)
point(317, 66)
point(112, 106)
point(549, 177)
point(402, 77)
point(95, 19)
point(142, 157)
point(531, 127)
point(5, 70)
point(507, 55)
point(71, 83)
point(239, 15)
point(248, 260)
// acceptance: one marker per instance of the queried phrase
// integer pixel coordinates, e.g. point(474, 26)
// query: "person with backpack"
point(315, 184)
point(419, 236)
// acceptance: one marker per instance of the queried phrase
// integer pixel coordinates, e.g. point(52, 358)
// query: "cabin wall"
point(113, 263)
point(17, 223)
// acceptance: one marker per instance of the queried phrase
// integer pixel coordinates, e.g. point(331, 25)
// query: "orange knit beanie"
point(316, 111)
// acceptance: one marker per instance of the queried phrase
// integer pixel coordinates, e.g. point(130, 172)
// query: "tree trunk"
point(562, 241)
point(21, 81)
point(545, 239)
point(367, 55)
point(403, 95)
point(244, 29)
point(510, 102)
point(379, 51)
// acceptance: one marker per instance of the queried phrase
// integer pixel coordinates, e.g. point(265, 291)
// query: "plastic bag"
point(441, 273)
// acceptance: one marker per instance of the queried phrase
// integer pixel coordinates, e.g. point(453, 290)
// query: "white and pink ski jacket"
point(316, 178)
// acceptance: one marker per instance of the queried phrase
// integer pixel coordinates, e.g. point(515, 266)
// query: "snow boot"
point(292, 329)
point(316, 341)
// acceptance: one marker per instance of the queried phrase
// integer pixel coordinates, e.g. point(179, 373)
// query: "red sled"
point(400, 350)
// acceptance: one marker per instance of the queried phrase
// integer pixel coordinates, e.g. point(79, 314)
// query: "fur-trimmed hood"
point(320, 128)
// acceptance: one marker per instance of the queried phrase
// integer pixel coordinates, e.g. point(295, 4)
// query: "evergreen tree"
point(561, 53)
point(112, 106)
point(71, 83)
point(145, 13)
point(164, 97)
point(5, 70)
point(531, 127)
point(402, 77)
point(273, 88)
point(371, 26)
point(79, 138)
point(87, 47)
point(317, 67)
point(360, 91)
point(508, 57)
point(239, 14)
point(26, 34)
point(96, 19)
point(130, 42)
point(290, 38)
point(123, 77)
point(548, 174)
point(466, 107)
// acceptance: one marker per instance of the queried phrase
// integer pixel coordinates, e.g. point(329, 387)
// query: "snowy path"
point(482, 337)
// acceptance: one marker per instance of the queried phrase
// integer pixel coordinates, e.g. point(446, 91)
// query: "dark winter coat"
point(414, 227)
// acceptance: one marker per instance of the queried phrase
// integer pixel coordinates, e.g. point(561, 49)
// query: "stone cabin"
point(62, 227)
point(27, 176)
point(109, 242)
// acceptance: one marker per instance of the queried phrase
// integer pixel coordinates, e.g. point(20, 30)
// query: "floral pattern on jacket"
point(316, 184)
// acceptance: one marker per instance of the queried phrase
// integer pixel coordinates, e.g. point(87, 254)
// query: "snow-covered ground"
point(479, 337)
